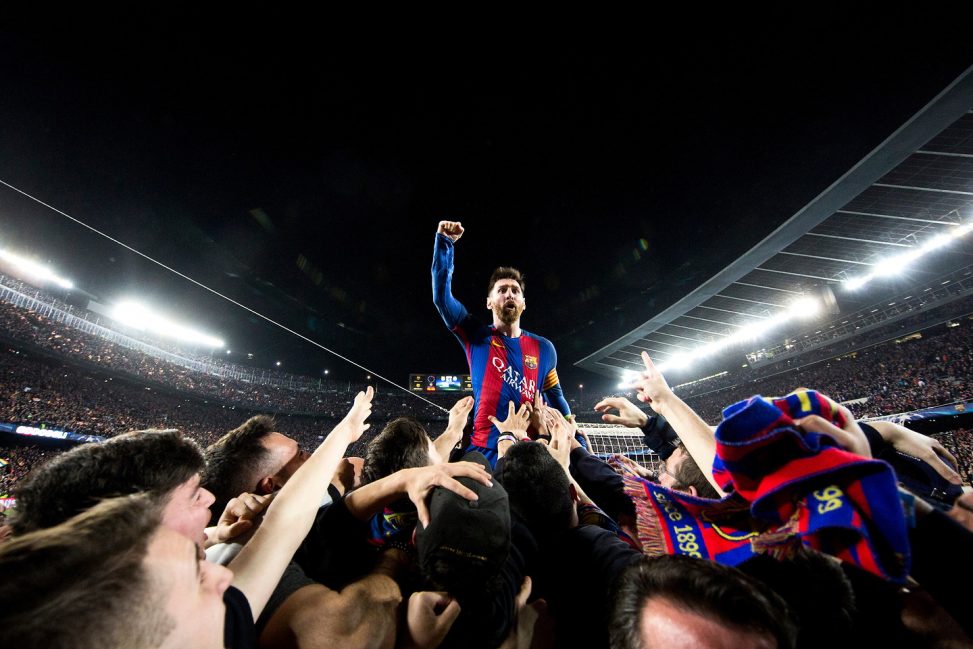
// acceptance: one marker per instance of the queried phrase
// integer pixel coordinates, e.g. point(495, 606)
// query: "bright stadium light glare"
point(628, 377)
point(855, 283)
point(138, 316)
point(679, 360)
point(937, 242)
point(804, 308)
point(35, 270)
point(894, 266)
point(891, 267)
point(961, 230)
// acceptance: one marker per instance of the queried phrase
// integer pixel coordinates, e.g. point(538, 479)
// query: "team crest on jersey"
point(530, 362)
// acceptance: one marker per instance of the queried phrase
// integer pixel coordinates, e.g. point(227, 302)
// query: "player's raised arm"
point(451, 310)
point(452, 229)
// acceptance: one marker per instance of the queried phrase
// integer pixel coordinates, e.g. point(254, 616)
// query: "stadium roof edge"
point(948, 106)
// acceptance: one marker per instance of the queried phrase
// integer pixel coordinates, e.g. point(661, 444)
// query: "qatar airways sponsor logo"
point(514, 379)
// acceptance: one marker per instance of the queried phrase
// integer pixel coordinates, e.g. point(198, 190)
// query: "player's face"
point(506, 300)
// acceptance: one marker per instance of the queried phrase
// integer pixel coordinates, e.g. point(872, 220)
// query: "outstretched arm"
point(453, 434)
point(696, 435)
point(261, 562)
point(416, 483)
point(657, 433)
point(918, 445)
point(451, 310)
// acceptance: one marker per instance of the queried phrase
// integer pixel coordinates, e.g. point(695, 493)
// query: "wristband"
point(507, 437)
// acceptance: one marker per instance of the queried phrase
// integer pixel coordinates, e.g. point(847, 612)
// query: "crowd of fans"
point(900, 377)
point(20, 460)
point(340, 537)
point(960, 444)
point(957, 312)
point(39, 391)
point(25, 326)
point(370, 540)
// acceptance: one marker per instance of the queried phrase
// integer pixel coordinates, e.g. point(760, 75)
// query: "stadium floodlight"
point(35, 270)
point(804, 307)
point(138, 316)
point(893, 266)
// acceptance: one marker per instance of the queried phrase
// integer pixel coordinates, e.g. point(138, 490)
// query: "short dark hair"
point(234, 462)
point(153, 461)
point(817, 591)
point(90, 573)
point(538, 488)
point(699, 586)
point(402, 444)
point(689, 474)
point(507, 272)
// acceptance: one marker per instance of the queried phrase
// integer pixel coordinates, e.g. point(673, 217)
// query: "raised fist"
point(452, 229)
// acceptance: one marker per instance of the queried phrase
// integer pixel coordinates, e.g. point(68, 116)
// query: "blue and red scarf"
point(786, 487)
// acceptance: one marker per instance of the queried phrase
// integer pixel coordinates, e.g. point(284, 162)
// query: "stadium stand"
point(808, 540)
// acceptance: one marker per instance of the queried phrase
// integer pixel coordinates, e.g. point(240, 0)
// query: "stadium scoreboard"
point(440, 383)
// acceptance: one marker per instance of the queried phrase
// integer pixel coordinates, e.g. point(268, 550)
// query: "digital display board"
point(440, 383)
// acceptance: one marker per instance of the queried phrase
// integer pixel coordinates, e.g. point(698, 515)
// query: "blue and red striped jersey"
point(503, 369)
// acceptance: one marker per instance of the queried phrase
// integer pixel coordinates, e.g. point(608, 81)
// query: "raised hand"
point(562, 433)
point(628, 413)
point(459, 413)
point(651, 386)
point(354, 422)
point(419, 482)
point(516, 421)
point(452, 229)
point(539, 415)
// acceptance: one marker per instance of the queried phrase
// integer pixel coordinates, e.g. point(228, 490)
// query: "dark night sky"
point(618, 178)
